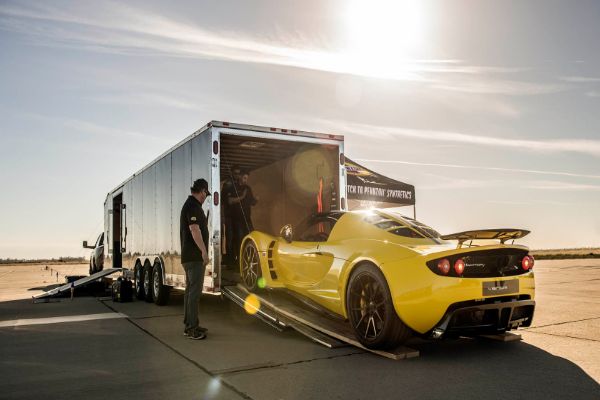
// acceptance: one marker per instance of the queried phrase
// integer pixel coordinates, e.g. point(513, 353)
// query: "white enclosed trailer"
point(293, 173)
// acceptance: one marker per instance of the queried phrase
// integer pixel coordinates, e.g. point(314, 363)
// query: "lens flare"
point(213, 389)
point(261, 282)
point(252, 304)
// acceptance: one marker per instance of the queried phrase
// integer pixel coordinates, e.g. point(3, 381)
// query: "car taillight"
point(527, 263)
point(459, 266)
point(444, 266)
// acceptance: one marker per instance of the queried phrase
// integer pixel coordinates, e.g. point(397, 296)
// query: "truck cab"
point(97, 254)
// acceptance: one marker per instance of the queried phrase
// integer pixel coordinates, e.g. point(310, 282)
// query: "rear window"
point(402, 226)
point(421, 227)
point(405, 231)
point(375, 219)
point(392, 226)
point(388, 224)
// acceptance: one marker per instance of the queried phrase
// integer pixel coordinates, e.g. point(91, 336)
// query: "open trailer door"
point(292, 176)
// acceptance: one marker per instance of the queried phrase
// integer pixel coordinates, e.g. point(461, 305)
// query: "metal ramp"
point(78, 283)
point(282, 310)
point(278, 321)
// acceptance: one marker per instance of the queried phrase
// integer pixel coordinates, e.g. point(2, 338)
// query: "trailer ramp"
point(78, 283)
point(285, 311)
point(270, 316)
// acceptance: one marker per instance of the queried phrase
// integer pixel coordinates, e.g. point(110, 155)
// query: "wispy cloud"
point(504, 87)
point(147, 99)
point(582, 146)
point(499, 169)
point(580, 79)
point(121, 29)
point(455, 183)
point(529, 203)
point(89, 127)
point(511, 203)
point(567, 186)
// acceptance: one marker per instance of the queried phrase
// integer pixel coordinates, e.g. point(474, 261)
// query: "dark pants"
point(228, 240)
point(194, 280)
point(240, 230)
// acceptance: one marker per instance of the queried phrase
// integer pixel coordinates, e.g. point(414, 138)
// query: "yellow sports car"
point(393, 277)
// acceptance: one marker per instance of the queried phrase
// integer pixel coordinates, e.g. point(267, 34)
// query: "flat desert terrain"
point(21, 281)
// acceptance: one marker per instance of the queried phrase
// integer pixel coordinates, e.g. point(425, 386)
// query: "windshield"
point(316, 228)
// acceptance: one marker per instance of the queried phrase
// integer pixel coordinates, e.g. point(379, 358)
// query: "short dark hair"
point(244, 171)
point(236, 166)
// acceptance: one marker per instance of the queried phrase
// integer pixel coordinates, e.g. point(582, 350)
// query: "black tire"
point(371, 311)
point(250, 270)
point(148, 283)
point(160, 292)
point(90, 269)
point(138, 281)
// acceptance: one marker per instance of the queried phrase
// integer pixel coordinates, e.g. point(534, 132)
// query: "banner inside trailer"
point(365, 185)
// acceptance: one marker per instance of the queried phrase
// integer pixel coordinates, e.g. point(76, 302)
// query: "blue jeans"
point(194, 280)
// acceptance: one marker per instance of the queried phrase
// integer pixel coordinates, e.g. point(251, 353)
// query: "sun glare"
point(382, 35)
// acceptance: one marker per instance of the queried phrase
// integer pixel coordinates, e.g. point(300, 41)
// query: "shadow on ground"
point(147, 356)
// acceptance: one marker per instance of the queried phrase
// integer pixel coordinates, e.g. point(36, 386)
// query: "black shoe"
point(196, 334)
point(186, 332)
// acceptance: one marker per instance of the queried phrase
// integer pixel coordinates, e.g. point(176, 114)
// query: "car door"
point(301, 261)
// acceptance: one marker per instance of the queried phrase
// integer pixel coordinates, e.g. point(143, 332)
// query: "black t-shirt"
point(235, 209)
point(192, 214)
point(247, 202)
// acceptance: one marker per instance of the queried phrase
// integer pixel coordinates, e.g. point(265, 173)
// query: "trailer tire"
point(138, 279)
point(148, 282)
point(160, 291)
point(250, 269)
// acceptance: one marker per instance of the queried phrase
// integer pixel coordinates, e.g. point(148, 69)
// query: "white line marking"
point(57, 320)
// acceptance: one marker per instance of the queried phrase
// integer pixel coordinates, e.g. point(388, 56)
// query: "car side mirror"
point(85, 245)
point(286, 233)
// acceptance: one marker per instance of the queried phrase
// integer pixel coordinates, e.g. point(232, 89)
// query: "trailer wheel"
point(160, 291)
point(138, 278)
point(371, 311)
point(148, 282)
point(250, 266)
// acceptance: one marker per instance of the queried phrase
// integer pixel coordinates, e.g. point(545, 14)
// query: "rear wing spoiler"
point(502, 234)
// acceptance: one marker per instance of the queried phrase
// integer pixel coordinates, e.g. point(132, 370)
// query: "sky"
point(490, 108)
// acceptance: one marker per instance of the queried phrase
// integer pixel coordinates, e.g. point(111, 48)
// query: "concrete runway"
point(144, 354)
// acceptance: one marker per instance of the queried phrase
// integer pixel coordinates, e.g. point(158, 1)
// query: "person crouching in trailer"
point(193, 229)
point(241, 209)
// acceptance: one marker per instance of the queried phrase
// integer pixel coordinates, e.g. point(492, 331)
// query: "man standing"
point(241, 211)
point(193, 230)
point(228, 191)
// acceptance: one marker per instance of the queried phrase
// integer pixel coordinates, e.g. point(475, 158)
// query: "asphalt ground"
point(140, 351)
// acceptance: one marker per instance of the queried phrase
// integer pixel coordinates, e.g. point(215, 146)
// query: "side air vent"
point(270, 261)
